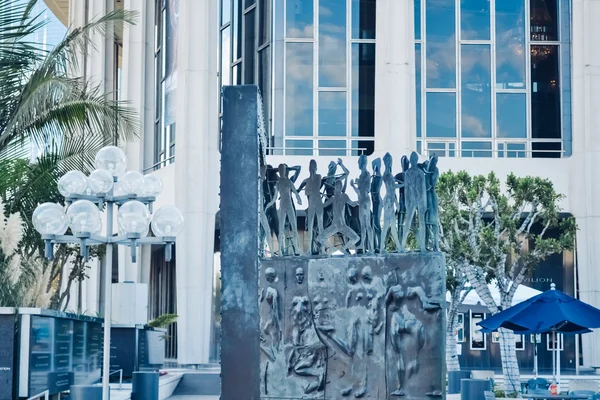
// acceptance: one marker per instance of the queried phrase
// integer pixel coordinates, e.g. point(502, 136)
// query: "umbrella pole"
point(554, 355)
point(535, 357)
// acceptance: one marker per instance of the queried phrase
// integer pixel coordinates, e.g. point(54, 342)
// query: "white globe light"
point(167, 221)
point(84, 217)
point(50, 219)
point(152, 185)
point(72, 183)
point(100, 181)
point(133, 182)
point(133, 217)
point(111, 159)
point(118, 189)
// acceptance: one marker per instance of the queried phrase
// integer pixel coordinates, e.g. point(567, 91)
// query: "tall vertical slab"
point(240, 341)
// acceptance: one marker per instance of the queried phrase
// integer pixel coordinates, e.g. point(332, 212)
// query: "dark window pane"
point(264, 23)
point(363, 89)
point(363, 19)
point(417, 19)
point(544, 20)
point(250, 47)
point(418, 86)
point(328, 148)
point(332, 114)
point(441, 115)
point(511, 117)
point(299, 147)
point(332, 43)
point(236, 73)
point(510, 44)
point(545, 93)
point(299, 89)
point(237, 30)
point(475, 19)
point(360, 147)
point(225, 11)
point(248, 3)
point(226, 56)
point(299, 19)
point(476, 97)
point(440, 44)
point(476, 149)
point(546, 150)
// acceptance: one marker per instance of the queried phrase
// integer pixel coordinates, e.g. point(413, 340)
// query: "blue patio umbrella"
point(549, 312)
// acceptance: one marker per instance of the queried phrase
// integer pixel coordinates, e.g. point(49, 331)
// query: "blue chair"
point(590, 393)
point(538, 383)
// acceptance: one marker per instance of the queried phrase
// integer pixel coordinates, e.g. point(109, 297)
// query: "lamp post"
point(107, 186)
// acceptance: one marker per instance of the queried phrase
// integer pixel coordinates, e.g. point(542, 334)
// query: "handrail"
point(120, 371)
point(45, 394)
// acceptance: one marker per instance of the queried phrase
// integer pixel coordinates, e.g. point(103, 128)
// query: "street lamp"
point(109, 185)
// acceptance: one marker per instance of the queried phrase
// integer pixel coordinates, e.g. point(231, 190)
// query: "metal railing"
point(45, 395)
point(120, 371)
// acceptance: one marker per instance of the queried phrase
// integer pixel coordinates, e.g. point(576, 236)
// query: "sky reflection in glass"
point(476, 101)
point(299, 89)
point(511, 115)
point(441, 115)
point(475, 19)
point(299, 19)
point(332, 43)
point(332, 113)
point(440, 37)
point(510, 44)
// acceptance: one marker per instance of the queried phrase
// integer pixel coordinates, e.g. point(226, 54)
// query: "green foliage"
point(502, 394)
point(163, 321)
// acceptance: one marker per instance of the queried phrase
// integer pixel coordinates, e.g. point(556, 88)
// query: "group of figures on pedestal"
point(339, 328)
point(410, 204)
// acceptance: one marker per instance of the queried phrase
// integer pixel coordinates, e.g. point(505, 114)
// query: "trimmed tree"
point(501, 233)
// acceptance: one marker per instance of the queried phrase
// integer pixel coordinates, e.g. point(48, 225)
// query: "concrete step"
point(199, 383)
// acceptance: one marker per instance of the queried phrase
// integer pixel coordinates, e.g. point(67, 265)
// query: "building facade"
point(491, 85)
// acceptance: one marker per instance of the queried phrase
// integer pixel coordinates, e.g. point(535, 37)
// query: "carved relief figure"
point(432, 175)
point(299, 275)
point(389, 204)
point(312, 187)
point(270, 330)
point(375, 293)
point(376, 182)
point(264, 221)
point(416, 200)
point(285, 188)
point(362, 188)
point(338, 223)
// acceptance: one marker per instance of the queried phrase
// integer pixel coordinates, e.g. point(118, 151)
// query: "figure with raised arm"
point(362, 187)
point(389, 204)
point(432, 175)
point(339, 201)
point(312, 189)
point(285, 188)
point(329, 182)
point(376, 182)
point(416, 200)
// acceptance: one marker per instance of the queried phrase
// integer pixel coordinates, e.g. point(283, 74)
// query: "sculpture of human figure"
point(269, 193)
point(402, 196)
point(415, 190)
point(432, 175)
point(312, 188)
point(362, 187)
point(285, 188)
point(389, 204)
point(329, 182)
point(271, 326)
point(299, 275)
point(375, 293)
point(264, 221)
point(339, 201)
point(376, 182)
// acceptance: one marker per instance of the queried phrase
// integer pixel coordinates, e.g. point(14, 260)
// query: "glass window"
point(511, 115)
point(510, 44)
point(225, 11)
point(250, 47)
point(478, 338)
point(248, 3)
point(226, 56)
point(360, 147)
point(363, 89)
point(546, 149)
point(418, 86)
point(363, 19)
point(440, 39)
point(299, 89)
point(437, 148)
point(299, 147)
point(328, 148)
point(441, 115)
point(299, 19)
point(332, 43)
point(264, 23)
point(476, 98)
point(264, 81)
point(544, 20)
point(545, 93)
point(513, 150)
point(475, 19)
point(332, 114)
point(476, 149)
point(237, 74)
point(237, 30)
point(417, 19)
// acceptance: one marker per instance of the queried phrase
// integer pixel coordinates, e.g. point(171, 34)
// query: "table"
point(556, 396)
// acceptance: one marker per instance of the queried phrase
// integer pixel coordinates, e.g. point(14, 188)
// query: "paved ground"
point(191, 397)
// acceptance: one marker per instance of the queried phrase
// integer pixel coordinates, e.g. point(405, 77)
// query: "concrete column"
point(196, 174)
point(585, 181)
point(395, 95)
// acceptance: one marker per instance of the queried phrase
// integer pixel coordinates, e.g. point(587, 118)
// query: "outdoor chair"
point(589, 393)
point(538, 391)
point(538, 383)
point(489, 395)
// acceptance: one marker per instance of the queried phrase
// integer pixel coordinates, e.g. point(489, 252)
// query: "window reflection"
point(250, 47)
point(476, 101)
point(299, 19)
point(476, 149)
point(363, 89)
point(418, 86)
point(360, 147)
point(226, 56)
point(332, 43)
point(544, 20)
point(440, 44)
point(237, 30)
point(475, 19)
point(328, 148)
point(332, 113)
point(298, 147)
point(545, 93)
point(225, 11)
point(264, 23)
point(299, 89)
point(363, 19)
point(511, 115)
point(510, 44)
point(417, 19)
point(441, 115)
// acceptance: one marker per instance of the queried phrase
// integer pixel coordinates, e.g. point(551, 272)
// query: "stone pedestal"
point(353, 327)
